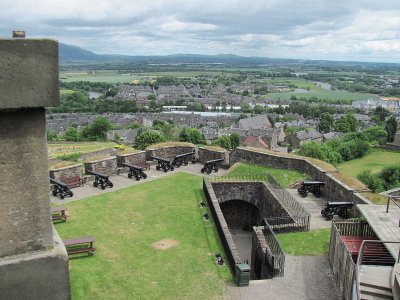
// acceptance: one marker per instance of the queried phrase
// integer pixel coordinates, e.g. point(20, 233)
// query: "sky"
point(364, 30)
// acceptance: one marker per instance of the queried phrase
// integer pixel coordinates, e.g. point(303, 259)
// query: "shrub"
point(373, 181)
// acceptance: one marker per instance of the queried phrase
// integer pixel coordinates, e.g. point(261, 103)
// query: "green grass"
point(60, 149)
point(374, 162)
point(313, 242)
point(126, 223)
point(284, 176)
point(66, 92)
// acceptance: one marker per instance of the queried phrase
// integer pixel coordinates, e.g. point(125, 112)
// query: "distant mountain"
point(74, 54)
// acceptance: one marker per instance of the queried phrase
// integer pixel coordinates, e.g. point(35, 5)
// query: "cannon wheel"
point(171, 168)
point(208, 171)
point(302, 192)
point(202, 170)
point(158, 168)
point(137, 178)
point(144, 176)
point(103, 187)
point(185, 163)
point(95, 184)
point(216, 169)
point(61, 196)
point(129, 175)
point(70, 193)
point(318, 193)
point(54, 192)
point(110, 185)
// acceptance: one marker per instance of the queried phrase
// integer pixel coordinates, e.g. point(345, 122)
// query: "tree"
point(71, 134)
point(151, 97)
point(97, 130)
point(192, 135)
point(391, 128)
point(348, 123)
point(224, 142)
point(51, 136)
point(325, 123)
point(148, 137)
point(381, 113)
point(258, 109)
point(235, 140)
point(245, 107)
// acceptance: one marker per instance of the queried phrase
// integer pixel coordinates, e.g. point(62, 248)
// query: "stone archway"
point(240, 214)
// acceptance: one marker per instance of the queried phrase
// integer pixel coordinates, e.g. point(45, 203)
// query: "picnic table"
point(80, 245)
point(58, 213)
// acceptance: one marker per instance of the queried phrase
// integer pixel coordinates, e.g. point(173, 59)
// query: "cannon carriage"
point(60, 188)
point(336, 208)
point(163, 163)
point(314, 187)
point(135, 171)
point(211, 165)
point(183, 159)
point(100, 179)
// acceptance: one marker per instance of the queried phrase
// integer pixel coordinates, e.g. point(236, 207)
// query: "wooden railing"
point(393, 199)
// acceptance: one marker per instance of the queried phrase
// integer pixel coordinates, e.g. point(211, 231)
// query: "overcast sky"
point(364, 30)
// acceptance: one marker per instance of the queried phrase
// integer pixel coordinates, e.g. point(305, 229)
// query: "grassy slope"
point(126, 223)
point(313, 242)
point(283, 176)
point(375, 162)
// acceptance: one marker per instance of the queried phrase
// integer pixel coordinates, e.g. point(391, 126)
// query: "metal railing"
point(393, 199)
point(373, 252)
point(278, 265)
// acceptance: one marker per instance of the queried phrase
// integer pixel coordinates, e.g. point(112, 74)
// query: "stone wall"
point(65, 173)
point(107, 166)
point(136, 158)
point(205, 154)
point(335, 190)
point(258, 254)
point(169, 152)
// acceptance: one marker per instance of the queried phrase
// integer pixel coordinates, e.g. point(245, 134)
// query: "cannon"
point(100, 179)
point(60, 188)
point(211, 165)
point(135, 171)
point(336, 208)
point(163, 163)
point(311, 186)
point(182, 159)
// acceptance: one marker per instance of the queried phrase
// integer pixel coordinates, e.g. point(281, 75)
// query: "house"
point(255, 141)
point(260, 121)
point(332, 135)
point(299, 138)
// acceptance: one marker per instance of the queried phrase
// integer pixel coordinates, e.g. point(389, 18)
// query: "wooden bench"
point(143, 164)
point(59, 213)
point(80, 245)
point(60, 188)
point(74, 181)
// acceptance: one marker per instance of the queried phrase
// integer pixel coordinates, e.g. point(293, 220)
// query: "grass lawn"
point(126, 223)
point(313, 242)
point(374, 162)
point(61, 149)
point(284, 176)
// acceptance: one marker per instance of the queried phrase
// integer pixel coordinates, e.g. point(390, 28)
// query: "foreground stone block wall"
point(65, 173)
point(107, 166)
point(33, 259)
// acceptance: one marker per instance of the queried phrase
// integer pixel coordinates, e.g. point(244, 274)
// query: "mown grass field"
point(126, 223)
point(313, 242)
point(284, 176)
point(374, 162)
point(60, 149)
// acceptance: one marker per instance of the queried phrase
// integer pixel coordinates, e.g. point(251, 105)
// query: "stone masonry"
point(33, 259)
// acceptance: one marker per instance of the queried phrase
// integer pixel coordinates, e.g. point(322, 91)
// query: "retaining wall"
point(65, 173)
point(168, 152)
point(107, 166)
point(209, 154)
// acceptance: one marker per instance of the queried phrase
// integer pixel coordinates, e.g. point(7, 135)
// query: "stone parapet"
point(65, 173)
point(206, 154)
point(107, 166)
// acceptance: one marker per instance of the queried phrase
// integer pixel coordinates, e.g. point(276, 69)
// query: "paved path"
point(306, 278)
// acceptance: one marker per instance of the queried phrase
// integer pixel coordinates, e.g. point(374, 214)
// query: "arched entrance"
point(240, 214)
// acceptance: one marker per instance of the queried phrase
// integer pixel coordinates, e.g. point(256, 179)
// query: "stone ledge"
point(27, 276)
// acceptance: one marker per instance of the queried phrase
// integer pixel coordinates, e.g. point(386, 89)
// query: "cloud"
point(353, 29)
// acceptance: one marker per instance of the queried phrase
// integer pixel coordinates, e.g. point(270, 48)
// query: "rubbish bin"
point(242, 274)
